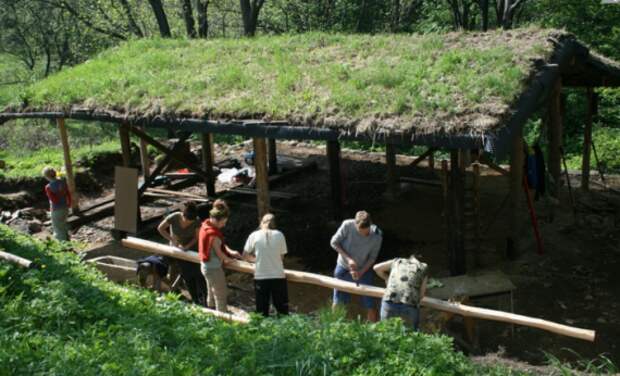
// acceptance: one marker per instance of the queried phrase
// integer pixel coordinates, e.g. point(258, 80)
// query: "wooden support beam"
point(477, 207)
point(393, 184)
point(372, 291)
point(516, 185)
point(17, 260)
point(431, 161)
point(123, 131)
point(423, 156)
point(262, 177)
point(494, 166)
point(66, 152)
point(273, 157)
point(335, 178)
point(144, 159)
point(587, 138)
point(457, 256)
point(555, 136)
point(208, 160)
point(161, 166)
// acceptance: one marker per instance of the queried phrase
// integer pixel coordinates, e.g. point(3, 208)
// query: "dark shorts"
point(341, 297)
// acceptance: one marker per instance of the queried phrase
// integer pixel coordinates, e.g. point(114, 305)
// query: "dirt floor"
point(574, 282)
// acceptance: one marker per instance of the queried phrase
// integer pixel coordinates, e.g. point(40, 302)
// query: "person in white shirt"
point(267, 247)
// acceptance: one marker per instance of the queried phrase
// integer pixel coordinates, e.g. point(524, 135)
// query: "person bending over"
point(357, 242)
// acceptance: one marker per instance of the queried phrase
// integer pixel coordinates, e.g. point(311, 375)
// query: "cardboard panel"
point(126, 199)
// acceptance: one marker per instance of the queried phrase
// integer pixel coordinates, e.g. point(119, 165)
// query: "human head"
point(268, 222)
point(363, 222)
point(190, 212)
point(219, 213)
point(49, 173)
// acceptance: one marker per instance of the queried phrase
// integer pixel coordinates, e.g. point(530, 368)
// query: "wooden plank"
point(274, 194)
point(126, 199)
point(208, 159)
point(408, 179)
point(333, 157)
point(494, 166)
point(555, 136)
point(17, 260)
point(262, 177)
point(472, 285)
point(66, 152)
point(422, 157)
point(144, 159)
point(516, 181)
point(123, 131)
point(372, 291)
point(393, 185)
point(587, 139)
point(457, 255)
point(273, 157)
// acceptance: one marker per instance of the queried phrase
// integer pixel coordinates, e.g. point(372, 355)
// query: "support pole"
point(431, 161)
point(516, 181)
point(457, 199)
point(262, 177)
point(555, 136)
point(123, 131)
point(393, 184)
point(66, 152)
point(333, 156)
point(587, 139)
point(273, 157)
point(207, 163)
point(144, 159)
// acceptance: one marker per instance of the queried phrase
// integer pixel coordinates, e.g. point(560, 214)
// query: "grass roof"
point(456, 82)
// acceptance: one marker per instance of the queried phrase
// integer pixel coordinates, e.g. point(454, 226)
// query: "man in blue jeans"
point(357, 242)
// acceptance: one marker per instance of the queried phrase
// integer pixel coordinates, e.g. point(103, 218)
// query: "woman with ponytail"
point(213, 252)
point(266, 247)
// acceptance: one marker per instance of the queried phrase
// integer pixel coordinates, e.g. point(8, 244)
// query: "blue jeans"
point(408, 313)
point(341, 297)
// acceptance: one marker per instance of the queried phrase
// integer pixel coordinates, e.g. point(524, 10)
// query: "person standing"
point(406, 286)
point(357, 242)
point(213, 252)
point(59, 198)
point(267, 247)
point(180, 230)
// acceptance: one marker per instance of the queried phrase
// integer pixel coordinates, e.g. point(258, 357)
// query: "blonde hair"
point(219, 210)
point(49, 172)
point(268, 222)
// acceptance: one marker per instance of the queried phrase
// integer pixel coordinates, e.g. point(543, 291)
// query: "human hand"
point(355, 275)
point(352, 264)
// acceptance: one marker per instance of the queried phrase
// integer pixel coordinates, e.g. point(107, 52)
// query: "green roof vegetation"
point(431, 82)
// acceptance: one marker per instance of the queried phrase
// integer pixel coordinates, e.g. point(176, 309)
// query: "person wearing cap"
point(267, 247)
point(357, 242)
point(59, 197)
point(405, 287)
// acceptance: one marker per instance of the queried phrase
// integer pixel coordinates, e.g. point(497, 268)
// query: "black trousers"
point(275, 290)
point(194, 281)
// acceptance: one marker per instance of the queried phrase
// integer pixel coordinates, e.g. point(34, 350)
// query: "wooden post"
point(457, 198)
point(431, 161)
point(262, 177)
point(516, 186)
point(555, 136)
point(393, 184)
point(476, 204)
point(333, 156)
point(64, 139)
point(144, 159)
point(123, 131)
point(207, 163)
point(273, 157)
point(587, 139)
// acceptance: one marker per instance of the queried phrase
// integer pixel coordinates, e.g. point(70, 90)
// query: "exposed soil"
point(574, 282)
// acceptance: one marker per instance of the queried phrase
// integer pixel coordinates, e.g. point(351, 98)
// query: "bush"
point(67, 319)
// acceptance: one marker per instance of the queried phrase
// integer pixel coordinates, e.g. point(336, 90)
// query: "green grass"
point(392, 80)
point(11, 70)
point(31, 163)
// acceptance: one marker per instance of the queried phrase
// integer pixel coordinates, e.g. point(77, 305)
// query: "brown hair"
point(190, 211)
point(362, 219)
point(219, 210)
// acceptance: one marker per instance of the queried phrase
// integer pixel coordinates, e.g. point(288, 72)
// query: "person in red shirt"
point(59, 198)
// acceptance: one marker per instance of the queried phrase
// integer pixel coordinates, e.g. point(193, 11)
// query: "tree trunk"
point(203, 22)
point(188, 17)
point(131, 21)
point(249, 13)
point(162, 20)
point(484, 12)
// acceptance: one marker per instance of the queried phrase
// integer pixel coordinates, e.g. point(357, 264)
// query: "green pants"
point(59, 224)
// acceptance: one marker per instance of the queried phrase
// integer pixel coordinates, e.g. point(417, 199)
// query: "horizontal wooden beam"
point(372, 291)
point(14, 259)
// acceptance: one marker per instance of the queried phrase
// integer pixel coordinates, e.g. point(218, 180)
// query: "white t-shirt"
point(268, 246)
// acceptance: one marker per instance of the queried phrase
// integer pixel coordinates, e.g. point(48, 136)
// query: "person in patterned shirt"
point(406, 286)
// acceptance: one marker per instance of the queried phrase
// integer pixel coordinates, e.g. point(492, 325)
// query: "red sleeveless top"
point(206, 236)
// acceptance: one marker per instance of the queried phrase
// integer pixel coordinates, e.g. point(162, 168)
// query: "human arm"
point(248, 249)
point(216, 246)
point(163, 230)
point(232, 252)
point(336, 244)
point(383, 268)
point(373, 254)
point(191, 244)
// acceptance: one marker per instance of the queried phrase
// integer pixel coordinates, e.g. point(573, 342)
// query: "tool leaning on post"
point(376, 292)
